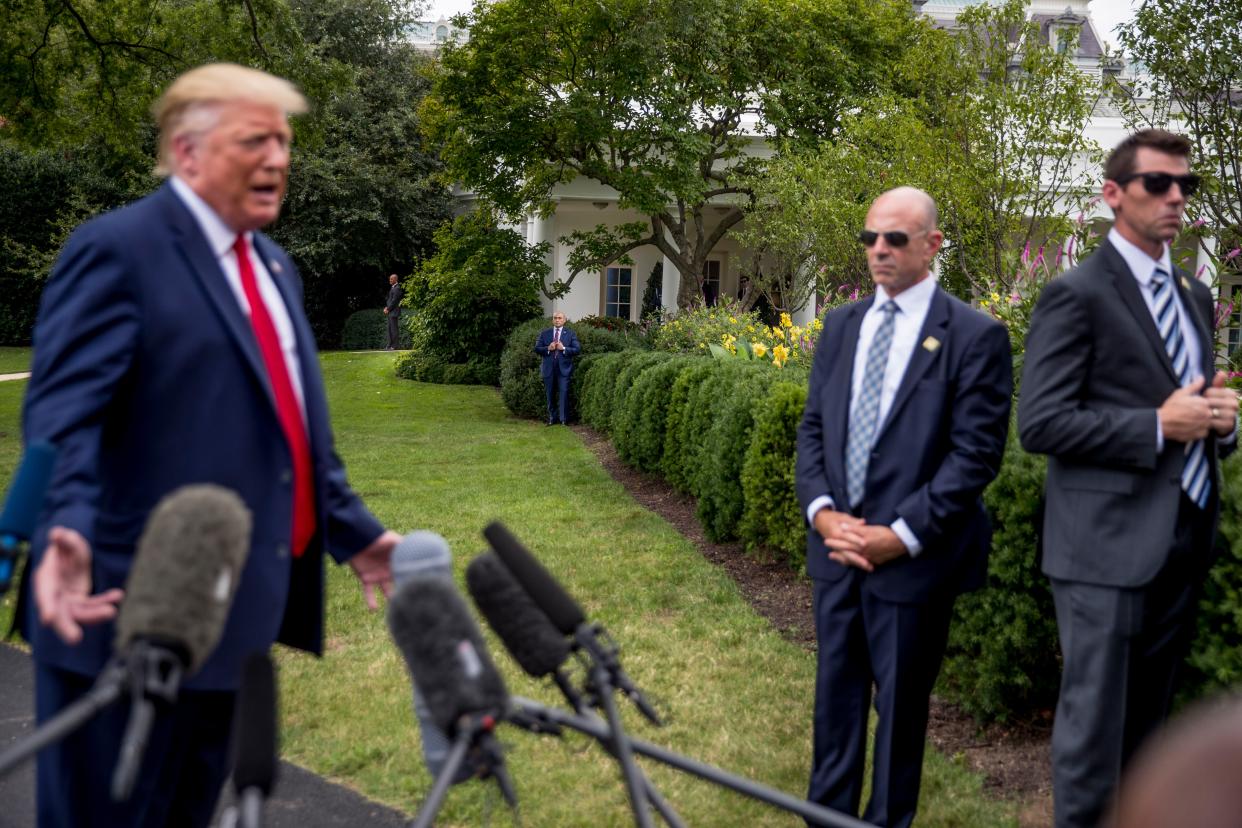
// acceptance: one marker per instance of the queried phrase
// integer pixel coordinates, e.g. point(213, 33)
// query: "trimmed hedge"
point(680, 439)
point(597, 388)
point(771, 515)
point(521, 385)
point(367, 330)
point(421, 367)
point(646, 413)
point(1003, 654)
point(723, 450)
point(622, 388)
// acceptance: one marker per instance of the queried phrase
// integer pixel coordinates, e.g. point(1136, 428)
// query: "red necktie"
point(556, 337)
point(287, 408)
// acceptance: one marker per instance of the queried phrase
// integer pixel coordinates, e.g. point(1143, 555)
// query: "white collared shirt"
point(913, 304)
point(220, 239)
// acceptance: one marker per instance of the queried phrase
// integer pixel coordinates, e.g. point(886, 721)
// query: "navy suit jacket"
point(148, 377)
point(939, 446)
point(565, 362)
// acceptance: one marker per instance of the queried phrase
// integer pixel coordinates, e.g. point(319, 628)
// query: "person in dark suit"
point(393, 311)
point(1116, 393)
point(905, 424)
point(558, 346)
point(172, 348)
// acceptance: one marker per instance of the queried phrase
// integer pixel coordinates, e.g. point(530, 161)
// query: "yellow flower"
point(995, 296)
point(795, 331)
point(786, 322)
point(779, 354)
point(750, 329)
point(733, 320)
point(760, 349)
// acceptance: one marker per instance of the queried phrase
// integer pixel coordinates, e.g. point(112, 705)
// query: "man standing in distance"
point(904, 426)
point(393, 311)
point(172, 348)
point(1115, 393)
point(558, 346)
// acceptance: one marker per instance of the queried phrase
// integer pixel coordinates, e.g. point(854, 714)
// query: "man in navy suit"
point(558, 346)
point(172, 348)
point(904, 426)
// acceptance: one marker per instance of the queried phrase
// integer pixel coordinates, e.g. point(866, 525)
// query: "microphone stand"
point(550, 718)
point(474, 730)
point(154, 673)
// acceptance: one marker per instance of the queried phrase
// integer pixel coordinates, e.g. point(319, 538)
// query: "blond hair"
point(192, 103)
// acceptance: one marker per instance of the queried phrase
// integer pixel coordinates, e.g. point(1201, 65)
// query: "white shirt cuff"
point(821, 502)
point(907, 537)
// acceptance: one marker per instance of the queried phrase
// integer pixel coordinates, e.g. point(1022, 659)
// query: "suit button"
point(282, 550)
point(286, 477)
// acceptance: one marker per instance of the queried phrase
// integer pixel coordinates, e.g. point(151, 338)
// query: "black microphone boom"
point(526, 631)
point(255, 739)
point(563, 611)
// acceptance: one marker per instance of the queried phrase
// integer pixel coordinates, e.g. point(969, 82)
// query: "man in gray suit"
point(1120, 392)
point(392, 309)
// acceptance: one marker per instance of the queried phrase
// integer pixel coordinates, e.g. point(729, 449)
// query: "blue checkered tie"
point(1195, 482)
point(864, 416)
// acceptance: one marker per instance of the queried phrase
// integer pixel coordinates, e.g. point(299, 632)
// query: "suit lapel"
point(1203, 327)
point(202, 264)
point(936, 326)
point(1132, 297)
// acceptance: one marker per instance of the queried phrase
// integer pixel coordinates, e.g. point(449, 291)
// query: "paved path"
point(17, 376)
point(301, 799)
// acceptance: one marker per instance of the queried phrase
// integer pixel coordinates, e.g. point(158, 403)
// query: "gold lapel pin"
point(1185, 283)
point(931, 344)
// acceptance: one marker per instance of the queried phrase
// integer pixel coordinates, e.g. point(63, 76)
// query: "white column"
point(539, 230)
point(670, 283)
point(1205, 267)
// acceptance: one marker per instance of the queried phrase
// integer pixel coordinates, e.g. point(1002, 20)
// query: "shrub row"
point(367, 330)
point(423, 367)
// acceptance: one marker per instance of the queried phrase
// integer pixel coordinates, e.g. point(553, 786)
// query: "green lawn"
point(450, 459)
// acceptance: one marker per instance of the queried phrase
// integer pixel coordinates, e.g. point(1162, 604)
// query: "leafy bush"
point(678, 438)
point(610, 323)
point(415, 365)
point(597, 390)
point(724, 447)
point(646, 411)
point(521, 384)
point(481, 284)
point(726, 329)
point(1003, 654)
point(1215, 661)
point(622, 394)
point(367, 330)
point(771, 515)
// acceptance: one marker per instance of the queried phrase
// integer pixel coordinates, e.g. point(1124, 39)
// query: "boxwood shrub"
point(680, 439)
point(646, 412)
point(622, 390)
point(521, 384)
point(771, 516)
point(597, 388)
point(367, 330)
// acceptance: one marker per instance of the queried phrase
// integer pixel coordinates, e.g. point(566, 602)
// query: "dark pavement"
point(301, 799)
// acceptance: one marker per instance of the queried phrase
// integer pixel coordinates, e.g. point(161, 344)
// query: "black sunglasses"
point(895, 238)
point(1158, 183)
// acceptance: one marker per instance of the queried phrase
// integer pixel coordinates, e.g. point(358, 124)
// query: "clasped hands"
point(1192, 411)
point(854, 542)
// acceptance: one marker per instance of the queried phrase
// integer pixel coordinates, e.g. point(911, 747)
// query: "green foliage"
point(1215, 661)
point(679, 439)
point(646, 413)
point(651, 294)
point(771, 516)
point(521, 384)
point(481, 283)
point(649, 100)
point(367, 330)
point(693, 330)
point(724, 446)
point(1003, 654)
point(597, 388)
point(624, 400)
point(610, 323)
point(415, 365)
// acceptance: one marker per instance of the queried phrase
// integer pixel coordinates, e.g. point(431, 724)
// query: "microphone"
point(424, 554)
point(255, 739)
point(543, 589)
point(536, 645)
point(177, 598)
point(22, 507)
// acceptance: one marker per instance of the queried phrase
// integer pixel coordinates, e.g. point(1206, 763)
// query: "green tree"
point(1190, 58)
point(662, 101)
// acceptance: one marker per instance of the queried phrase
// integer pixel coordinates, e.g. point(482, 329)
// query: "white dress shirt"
point(912, 306)
point(220, 239)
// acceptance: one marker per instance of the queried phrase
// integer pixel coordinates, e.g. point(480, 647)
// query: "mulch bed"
point(1013, 759)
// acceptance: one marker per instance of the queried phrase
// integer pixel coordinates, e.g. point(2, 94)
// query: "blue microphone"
point(22, 507)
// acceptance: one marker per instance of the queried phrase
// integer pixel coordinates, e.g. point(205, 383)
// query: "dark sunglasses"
point(1158, 183)
point(894, 238)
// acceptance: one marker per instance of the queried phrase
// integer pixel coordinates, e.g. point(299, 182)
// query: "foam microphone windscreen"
point(185, 572)
point(537, 646)
point(421, 553)
point(547, 594)
point(444, 652)
point(25, 498)
point(255, 729)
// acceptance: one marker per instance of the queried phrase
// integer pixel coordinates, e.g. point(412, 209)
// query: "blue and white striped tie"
point(865, 414)
point(1195, 481)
